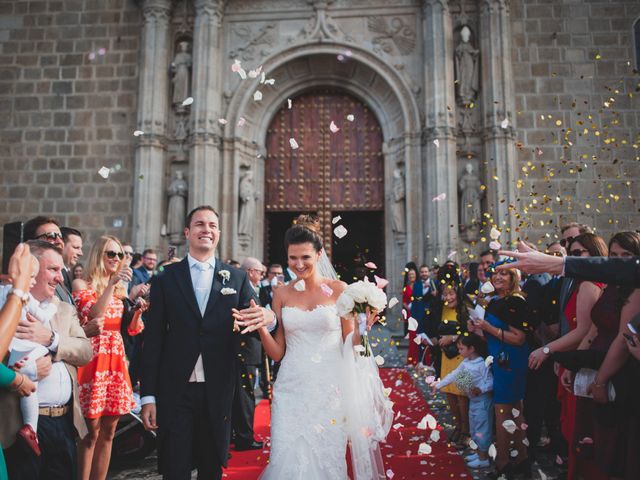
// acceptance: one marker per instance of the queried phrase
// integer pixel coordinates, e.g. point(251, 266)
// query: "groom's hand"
point(254, 317)
point(148, 416)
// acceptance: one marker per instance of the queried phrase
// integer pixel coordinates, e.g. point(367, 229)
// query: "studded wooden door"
point(330, 171)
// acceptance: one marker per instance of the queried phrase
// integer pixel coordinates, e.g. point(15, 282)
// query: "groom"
point(188, 359)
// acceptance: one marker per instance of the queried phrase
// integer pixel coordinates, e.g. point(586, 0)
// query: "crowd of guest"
point(549, 363)
point(71, 335)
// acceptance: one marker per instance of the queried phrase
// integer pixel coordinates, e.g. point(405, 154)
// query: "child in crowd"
point(474, 377)
point(23, 356)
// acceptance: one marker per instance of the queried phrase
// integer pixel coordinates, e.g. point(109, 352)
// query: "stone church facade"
point(448, 115)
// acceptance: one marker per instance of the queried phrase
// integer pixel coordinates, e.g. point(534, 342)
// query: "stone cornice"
point(158, 10)
point(210, 8)
point(206, 138)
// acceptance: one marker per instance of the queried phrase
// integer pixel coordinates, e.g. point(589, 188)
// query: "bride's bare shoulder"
point(337, 286)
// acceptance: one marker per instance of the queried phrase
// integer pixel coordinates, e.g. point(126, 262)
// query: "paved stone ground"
point(387, 341)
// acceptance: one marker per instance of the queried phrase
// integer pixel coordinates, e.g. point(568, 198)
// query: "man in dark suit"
point(424, 291)
point(48, 229)
point(71, 252)
point(248, 361)
point(189, 356)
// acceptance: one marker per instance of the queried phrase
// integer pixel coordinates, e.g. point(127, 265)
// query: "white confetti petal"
point(473, 445)
point(489, 360)
point(270, 81)
point(187, 101)
point(422, 424)
point(493, 245)
point(351, 117)
point(371, 265)
point(237, 65)
point(263, 77)
point(299, 285)
point(526, 442)
point(387, 391)
point(397, 426)
point(326, 290)
point(257, 96)
point(543, 476)
point(137, 133)
point(340, 231)
point(92, 55)
point(452, 254)
point(333, 127)
point(255, 73)
point(379, 360)
point(504, 123)
point(390, 474)
point(417, 340)
point(242, 73)
point(336, 219)
point(487, 287)
point(289, 103)
point(494, 234)
point(102, 51)
point(104, 172)
point(436, 142)
point(241, 122)
point(293, 143)
point(440, 197)
point(510, 426)
point(513, 453)
point(435, 435)
point(222, 121)
point(424, 449)
point(413, 324)
point(393, 302)
point(492, 451)
point(515, 412)
point(431, 421)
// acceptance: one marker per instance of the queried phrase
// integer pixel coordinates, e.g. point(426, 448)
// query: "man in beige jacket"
point(60, 419)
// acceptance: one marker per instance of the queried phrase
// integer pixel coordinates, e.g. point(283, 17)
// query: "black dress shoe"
point(241, 447)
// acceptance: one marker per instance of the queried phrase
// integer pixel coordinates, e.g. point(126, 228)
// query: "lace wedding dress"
point(314, 402)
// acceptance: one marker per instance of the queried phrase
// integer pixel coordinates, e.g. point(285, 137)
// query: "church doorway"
point(332, 173)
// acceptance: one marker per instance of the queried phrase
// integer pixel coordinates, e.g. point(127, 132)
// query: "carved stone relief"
point(256, 45)
point(394, 33)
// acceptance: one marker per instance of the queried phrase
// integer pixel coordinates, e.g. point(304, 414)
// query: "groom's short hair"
point(187, 223)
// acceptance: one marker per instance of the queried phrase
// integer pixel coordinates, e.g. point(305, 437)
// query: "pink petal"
point(381, 282)
point(326, 290)
point(440, 197)
point(370, 265)
point(333, 127)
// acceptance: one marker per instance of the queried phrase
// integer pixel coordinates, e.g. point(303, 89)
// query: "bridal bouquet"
point(354, 300)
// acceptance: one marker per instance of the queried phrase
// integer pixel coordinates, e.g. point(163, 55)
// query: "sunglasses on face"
point(565, 242)
point(578, 252)
point(50, 236)
point(111, 254)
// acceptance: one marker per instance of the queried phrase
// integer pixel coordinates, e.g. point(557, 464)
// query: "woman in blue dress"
point(505, 328)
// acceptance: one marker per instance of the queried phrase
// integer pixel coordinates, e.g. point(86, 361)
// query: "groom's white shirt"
point(201, 280)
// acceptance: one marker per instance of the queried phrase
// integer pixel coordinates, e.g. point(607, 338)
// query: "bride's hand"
point(253, 318)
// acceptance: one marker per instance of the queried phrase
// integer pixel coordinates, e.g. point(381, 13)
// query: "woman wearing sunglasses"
point(505, 328)
point(105, 386)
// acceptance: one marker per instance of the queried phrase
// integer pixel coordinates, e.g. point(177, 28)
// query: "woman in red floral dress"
point(105, 386)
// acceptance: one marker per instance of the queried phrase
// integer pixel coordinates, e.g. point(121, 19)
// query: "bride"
point(325, 396)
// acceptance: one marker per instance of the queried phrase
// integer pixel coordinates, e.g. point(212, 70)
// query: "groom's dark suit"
point(176, 333)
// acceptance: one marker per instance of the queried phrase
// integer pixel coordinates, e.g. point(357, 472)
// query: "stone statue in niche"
point(181, 70)
point(466, 63)
point(470, 209)
point(247, 196)
point(177, 208)
point(398, 207)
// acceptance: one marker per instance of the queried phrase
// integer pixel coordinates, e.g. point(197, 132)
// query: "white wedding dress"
point(314, 398)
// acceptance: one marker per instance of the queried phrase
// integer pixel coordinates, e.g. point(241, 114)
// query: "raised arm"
point(274, 344)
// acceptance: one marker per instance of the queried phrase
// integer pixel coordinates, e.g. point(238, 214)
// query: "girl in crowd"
point(577, 313)
point(105, 387)
point(505, 327)
point(451, 317)
point(608, 425)
point(410, 276)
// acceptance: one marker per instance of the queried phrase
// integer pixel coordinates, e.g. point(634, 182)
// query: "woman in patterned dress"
point(105, 386)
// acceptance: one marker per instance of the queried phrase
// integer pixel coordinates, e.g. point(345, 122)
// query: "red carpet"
point(400, 453)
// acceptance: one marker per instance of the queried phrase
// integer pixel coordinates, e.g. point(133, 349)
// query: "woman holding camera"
point(105, 387)
point(505, 327)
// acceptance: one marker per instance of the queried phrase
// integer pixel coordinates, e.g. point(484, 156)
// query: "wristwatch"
point(24, 297)
point(546, 350)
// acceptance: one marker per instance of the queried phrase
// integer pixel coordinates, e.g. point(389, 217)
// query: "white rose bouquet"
point(354, 300)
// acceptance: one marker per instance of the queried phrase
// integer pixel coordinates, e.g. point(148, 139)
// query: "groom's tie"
point(203, 285)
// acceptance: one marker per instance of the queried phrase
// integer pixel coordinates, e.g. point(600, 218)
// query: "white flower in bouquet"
point(377, 299)
point(345, 305)
point(357, 291)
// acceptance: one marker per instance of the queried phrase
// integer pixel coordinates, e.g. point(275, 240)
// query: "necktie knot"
point(203, 267)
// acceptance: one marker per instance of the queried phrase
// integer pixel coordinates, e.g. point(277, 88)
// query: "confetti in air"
point(439, 198)
point(393, 302)
point(371, 265)
point(137, 133)
point(381, 282)
point(333, 127)
point(489, 360)
point(104, 172)
point(340, 231)
point(257, 96)
point(336, 219)
point(424, 449)
point(351, 117)
point(379, 360)
point(289, 103)
point(504, 123)
point(187, 101)
point(293, 143)
point(241, 122)
point(510, 426)
point(413, 324)
point(222, 121)
point(436, 142)
point(326, 290)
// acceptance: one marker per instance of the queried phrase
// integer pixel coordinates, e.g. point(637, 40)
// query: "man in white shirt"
point(189, 355)
point(60, 419)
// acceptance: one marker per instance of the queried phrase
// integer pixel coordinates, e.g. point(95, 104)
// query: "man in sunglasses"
point(48, 229)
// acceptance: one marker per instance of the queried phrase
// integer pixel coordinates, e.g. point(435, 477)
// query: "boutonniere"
point(225, 275)
point(228, 291)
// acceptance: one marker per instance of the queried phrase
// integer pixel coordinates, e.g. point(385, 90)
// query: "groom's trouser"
point(188, 440)
point(244, 404)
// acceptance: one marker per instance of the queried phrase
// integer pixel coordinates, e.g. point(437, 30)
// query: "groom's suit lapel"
point(186, 285)
point(216, 286)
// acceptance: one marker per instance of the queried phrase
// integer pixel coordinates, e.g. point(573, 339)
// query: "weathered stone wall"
point(573, 68)
point(66, 111)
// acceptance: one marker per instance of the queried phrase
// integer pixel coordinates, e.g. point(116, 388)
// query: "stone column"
point(498, 105)
point(153, 104)
point(205, 165)
point(439, 163)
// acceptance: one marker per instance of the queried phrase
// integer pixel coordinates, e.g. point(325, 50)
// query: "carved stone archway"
point(364, 76)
